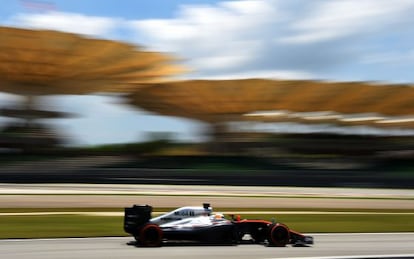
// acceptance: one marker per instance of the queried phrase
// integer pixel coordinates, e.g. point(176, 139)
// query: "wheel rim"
point(279, 235)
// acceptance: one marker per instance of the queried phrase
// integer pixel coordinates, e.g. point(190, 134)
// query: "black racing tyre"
point(150, 236)
point(279, 235)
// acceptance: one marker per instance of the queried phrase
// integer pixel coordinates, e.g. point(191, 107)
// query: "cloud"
point(271, 74)
point(68, 22)
point(213, 38)
point(329, 20)
point(337, 39)
point(312, 38)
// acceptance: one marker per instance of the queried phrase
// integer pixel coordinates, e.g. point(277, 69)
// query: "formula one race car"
point(199, 224)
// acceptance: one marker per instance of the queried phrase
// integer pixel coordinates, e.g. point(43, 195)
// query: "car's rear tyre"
point(150, 236)
point(279, 235)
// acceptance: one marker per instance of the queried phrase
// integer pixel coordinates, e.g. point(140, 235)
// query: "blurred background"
point(266, 92)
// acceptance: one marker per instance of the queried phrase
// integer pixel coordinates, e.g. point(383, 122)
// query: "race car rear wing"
point(135, 217)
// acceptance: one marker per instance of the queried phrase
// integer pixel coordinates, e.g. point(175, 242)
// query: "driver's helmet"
point(218, 216)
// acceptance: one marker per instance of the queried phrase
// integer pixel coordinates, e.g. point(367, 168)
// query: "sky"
point(339, 40)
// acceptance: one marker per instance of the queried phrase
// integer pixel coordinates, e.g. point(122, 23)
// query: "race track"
point(364, 245)
point(118, 195)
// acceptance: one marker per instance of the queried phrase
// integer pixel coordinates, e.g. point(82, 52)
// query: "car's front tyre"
point(278, 235)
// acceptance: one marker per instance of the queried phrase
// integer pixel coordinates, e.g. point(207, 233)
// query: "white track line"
point(352, 257)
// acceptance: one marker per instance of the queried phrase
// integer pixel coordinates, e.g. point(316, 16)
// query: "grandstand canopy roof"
point(39, 62)
point(281, 100)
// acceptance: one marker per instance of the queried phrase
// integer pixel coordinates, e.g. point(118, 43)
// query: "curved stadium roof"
point(347, 103)
point(39, 62)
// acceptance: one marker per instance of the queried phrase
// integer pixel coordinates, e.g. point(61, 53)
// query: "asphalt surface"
point(154, 189)
point(116, 196)
point(332, 245)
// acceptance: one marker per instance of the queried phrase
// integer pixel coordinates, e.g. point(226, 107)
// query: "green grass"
point(47, 226)
point(81, 209)
point(59, 226)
